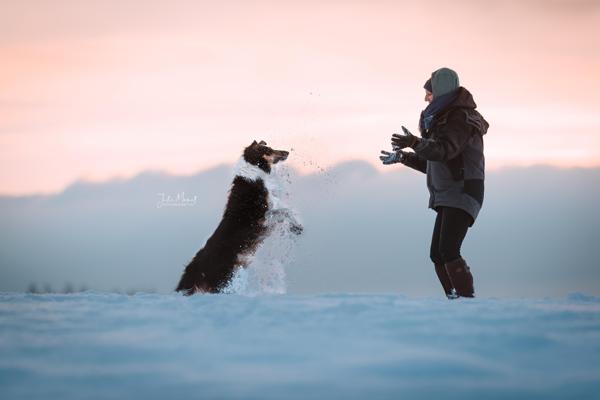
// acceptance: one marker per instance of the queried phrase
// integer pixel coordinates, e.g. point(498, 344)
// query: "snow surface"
point(338, 346)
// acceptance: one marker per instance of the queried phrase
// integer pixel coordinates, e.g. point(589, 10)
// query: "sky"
point(101, 89)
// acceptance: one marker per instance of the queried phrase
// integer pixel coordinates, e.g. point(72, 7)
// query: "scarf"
point(436, 105)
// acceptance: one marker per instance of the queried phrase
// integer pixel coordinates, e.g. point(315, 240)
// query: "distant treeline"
point(46, 288)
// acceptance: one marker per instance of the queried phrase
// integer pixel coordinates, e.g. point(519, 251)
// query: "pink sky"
point(98, 89)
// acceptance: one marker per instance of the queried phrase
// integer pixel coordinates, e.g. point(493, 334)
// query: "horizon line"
point(161, 171)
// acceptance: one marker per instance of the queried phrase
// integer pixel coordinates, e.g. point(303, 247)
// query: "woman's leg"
point(434, 251)
point(453, 229)
point(436, 257)
point(454, 226)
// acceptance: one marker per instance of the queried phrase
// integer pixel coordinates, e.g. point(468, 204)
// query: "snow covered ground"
point(338, 346)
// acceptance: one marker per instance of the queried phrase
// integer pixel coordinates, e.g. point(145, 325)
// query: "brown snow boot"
point(442, 275)
point(461, 278)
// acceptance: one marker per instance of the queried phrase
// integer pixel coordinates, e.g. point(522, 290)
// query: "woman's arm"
point(414, 161)
point(450, 139)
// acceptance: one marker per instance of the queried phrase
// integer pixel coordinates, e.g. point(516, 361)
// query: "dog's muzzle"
point(281, 156)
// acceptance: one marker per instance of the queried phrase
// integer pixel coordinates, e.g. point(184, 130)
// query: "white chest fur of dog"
point(264, 270)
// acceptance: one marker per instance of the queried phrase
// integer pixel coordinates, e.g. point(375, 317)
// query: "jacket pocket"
point(456, 167)
point(475, 189)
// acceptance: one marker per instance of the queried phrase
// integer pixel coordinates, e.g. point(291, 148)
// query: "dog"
point(247, 220)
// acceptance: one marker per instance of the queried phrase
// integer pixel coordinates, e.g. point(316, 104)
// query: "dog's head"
point(263, 156)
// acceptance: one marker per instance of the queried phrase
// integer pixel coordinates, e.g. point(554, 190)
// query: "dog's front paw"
point(296, 229)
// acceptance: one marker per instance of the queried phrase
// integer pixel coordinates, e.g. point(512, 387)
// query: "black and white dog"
point(245, 224)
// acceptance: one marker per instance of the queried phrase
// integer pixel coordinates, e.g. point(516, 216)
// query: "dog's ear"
point(253, 143)
point(262, 142)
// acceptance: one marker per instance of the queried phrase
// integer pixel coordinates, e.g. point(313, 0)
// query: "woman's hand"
point(388, 158)
point(400, 142)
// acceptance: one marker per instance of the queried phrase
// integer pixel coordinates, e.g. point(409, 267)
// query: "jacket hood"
point(464, 99)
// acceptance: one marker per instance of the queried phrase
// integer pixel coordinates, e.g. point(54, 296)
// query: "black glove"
point(400, 142)
point(388, 158)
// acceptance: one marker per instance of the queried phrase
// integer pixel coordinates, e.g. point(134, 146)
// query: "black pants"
point(450, 229)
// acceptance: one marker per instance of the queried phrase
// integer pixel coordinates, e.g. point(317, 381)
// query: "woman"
point(450, 152)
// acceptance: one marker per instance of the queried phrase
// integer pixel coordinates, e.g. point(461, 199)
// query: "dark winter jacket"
point(451, 154)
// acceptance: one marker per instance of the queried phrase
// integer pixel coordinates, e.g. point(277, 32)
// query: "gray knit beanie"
point(443, 81)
